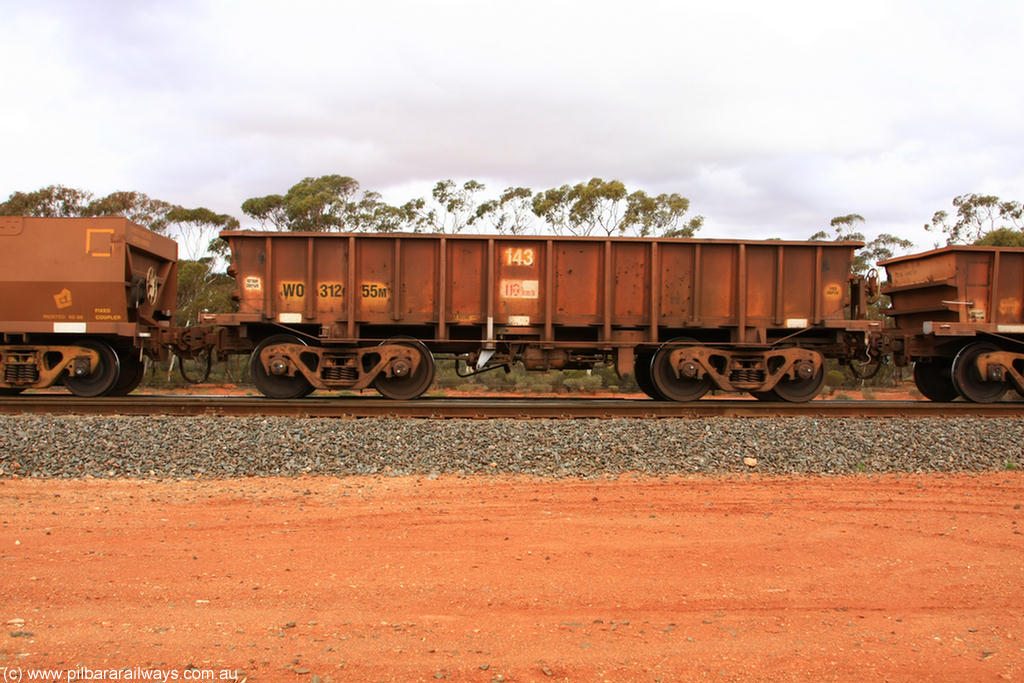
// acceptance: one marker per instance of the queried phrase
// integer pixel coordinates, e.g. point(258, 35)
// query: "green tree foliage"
point(456, 206)
point(663, 215)
point(510, 214)
point(607, 207)
point(1002, 237)
point(269, 211)
point(57, 201)
point(313, 204)
point(200, 290)
point(552, 206)
point(373, 214)
point(329, 203)
point(52, 201)
point(414, 215)
point(368, 212)
point(595, 207)
point(196, 230)
point(977, 216)
point(320, 204)
point(136, 207)
point(842, 229)
point(520, 380)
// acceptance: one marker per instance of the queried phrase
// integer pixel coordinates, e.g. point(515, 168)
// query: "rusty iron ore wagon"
point(959, 318)
point(349, 311)
point(80, 300)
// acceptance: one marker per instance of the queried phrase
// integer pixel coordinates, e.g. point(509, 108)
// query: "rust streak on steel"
point(530, 408)
point(350, 290)
point(396, 282)
point(549, 294)
point(310, 280)
point(442, 289)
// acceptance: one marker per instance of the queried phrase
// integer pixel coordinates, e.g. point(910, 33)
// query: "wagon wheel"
point(799, 390)
point(670, 386)
point(642, 375)
point(132, 372)
point(102, 378)
point(968, 382)
point(405, 385)
point(933, 378)
point(278, 386)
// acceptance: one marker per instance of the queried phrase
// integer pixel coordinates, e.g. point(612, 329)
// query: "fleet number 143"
point(519, 257)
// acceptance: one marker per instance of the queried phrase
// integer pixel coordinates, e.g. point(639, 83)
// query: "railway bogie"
point(287, 366)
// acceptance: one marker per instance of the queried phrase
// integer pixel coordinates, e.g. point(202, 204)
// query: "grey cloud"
point(770, 117)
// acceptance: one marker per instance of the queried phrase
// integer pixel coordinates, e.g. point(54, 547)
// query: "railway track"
point(476, 408)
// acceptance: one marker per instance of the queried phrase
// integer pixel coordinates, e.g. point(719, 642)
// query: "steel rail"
point(476, 408)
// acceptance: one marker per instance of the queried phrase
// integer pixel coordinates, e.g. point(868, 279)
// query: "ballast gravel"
point(225, 447)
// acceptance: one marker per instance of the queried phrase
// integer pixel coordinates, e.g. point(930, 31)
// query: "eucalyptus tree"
point(660, 216)
point(582, 209)
point(511, 213)
point(455, 207)
point(196, 230)
point(977, 217)
point(606, 206)
point(57, 201)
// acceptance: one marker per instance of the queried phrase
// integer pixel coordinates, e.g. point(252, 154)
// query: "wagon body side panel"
point(741, 290)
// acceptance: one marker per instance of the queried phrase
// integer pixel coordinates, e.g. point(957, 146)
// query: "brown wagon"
point(959, 319)
point(80, 298)
point(347, 311)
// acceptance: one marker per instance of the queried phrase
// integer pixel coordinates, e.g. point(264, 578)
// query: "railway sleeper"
point(38, 367)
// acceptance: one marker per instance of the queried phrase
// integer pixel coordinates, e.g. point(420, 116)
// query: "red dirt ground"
point(866, 578)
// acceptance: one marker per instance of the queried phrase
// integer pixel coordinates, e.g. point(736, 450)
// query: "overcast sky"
point(772, 117)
